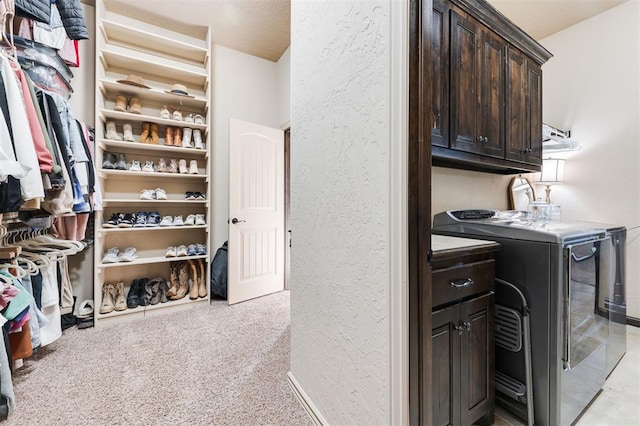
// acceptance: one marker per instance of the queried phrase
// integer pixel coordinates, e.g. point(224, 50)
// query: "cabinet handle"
point(467, 325)
point(460, 329)
point(461, 283)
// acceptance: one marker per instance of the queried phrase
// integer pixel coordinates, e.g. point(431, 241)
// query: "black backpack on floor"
point(219, 272)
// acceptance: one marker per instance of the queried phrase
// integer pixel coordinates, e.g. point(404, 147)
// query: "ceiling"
point(262, 27)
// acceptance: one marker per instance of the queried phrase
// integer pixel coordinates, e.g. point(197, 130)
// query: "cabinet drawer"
point(462, 281)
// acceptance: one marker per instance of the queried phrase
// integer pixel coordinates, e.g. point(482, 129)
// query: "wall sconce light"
point(552, 174)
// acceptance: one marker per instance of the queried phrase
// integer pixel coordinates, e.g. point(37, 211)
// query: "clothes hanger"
point(19, 272)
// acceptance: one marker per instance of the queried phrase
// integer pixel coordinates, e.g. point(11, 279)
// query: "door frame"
point(287, 205)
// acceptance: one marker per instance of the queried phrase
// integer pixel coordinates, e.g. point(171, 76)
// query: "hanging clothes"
point(31, 184)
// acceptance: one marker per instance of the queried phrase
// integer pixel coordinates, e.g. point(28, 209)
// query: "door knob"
point(235, 221)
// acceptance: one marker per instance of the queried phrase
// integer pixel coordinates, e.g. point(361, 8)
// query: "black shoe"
point(127, 220)
point(121, 164)
point(133, 299)
point(109, 161)
point(113, 222)
point(143, 300)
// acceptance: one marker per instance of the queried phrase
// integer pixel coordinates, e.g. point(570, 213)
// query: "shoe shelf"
point(142, 310)
point(128, 174)
point(149, 260)
point(127, 116)
point(156, 95)
point(127, 202)
point(153, 67)
point(151, 228)
point(165, 55)
point(167, 150)
point(131, 34)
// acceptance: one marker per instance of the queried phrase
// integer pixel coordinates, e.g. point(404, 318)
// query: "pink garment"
point(69, 54)
point(26, 29)
point(45, 159)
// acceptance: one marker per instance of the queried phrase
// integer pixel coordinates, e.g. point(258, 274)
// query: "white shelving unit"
point(162, 57)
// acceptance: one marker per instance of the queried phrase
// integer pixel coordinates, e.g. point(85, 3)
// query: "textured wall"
point(591, 86)
point(339, 214)
point(244, 87)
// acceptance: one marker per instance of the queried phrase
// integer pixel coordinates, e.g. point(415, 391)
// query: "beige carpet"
point(215, 365)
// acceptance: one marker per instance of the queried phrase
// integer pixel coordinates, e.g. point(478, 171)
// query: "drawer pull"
point(461, 283)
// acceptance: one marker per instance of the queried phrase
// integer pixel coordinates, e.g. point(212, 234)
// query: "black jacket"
point(38, 10)
point(73, 19)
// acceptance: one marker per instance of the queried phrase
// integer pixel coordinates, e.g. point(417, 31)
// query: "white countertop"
point(443, 242)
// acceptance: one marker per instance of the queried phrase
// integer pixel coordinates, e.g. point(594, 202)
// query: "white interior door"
point(256, 211)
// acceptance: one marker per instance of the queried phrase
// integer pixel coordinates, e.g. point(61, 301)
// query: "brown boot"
point(173, 289)
point(168, 136)
point(193, 293)
point(145, 132)
point(155, 137)
point(177, 136)
point(121, 104)
point(202, 286)
point(183, 281)
point(135, 107)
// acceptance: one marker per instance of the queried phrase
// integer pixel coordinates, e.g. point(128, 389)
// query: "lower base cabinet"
point(462, 362)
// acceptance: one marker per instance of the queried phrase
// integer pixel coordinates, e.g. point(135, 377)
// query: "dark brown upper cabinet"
point(486, 94)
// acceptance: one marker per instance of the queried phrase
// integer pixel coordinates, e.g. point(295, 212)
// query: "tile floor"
point(619, 402)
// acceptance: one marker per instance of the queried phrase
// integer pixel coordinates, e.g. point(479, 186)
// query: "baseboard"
point(306, 403)
point(633, 321)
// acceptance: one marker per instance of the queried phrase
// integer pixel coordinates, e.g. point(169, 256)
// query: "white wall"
point(461, 189)
point(591, 86)
point(284, 88)
point(340, 218)
point(244, 87)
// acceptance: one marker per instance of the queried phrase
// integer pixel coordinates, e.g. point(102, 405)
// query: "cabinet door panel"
point(445, 367)
point(464, 71)
point(534, 95)
point(491, 94)
point(516, 106)
point(477, 358)
point(439, 115)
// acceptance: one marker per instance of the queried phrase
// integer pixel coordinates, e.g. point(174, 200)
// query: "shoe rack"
point(163, 55)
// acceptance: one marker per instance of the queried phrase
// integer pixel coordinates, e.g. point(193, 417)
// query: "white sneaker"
point(190, 220)
point(177, 221)
point(200, 220)
point(135, 166)
point(149, 167)
point(171, 252)
point(189, 118)
point(161, 194)
point(112, 255)
point(193, 167)
point(129, 255)
point(166, 221)
point(199, 119)
point(181, 250)
point(148, 194)
point(197, 139)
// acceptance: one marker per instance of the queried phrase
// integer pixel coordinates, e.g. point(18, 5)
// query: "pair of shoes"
point(196, 250)
point(112, 161)
point(187, 142)
point(119, 220)
point(137, 295)
point(198, 281)
point(113, 298)
point(134, 106)
point(164, 113)
point(153, 194)
point(179, 280)
point(189, 195)
point(147, 219)
point(195, 219)
point(113, 255)
point(173, 136)
point(172, 221)
point(193, 167)
point(156, 290)
point(176, 251)
point(113, 134)
point(149, 133)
